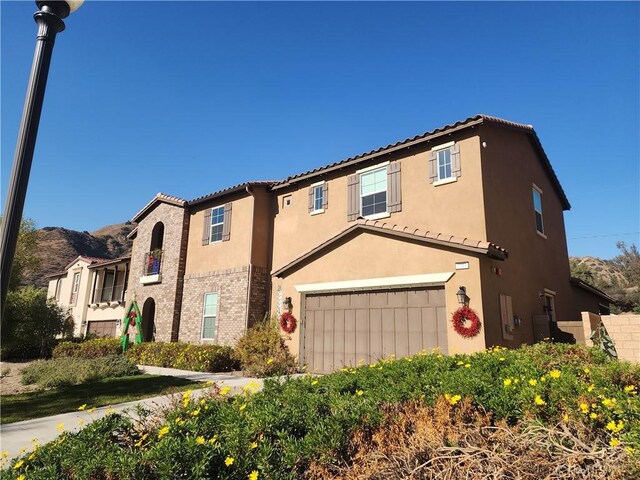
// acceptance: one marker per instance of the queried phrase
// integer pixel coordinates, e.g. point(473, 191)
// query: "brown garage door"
point(103, 328)
point(342, 329)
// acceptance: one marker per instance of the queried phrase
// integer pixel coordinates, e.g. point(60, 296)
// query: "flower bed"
point(290, 427)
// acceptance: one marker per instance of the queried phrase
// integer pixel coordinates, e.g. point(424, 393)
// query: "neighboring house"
point(372, 251)
point(93, 290)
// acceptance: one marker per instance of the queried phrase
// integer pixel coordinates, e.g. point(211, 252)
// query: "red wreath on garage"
point(288, 322)
point(462, 317)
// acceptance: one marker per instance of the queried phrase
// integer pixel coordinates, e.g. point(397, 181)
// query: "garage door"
point(344, 329)
point(103, 328)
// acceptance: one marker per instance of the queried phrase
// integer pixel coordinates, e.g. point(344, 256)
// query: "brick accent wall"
point(258, 294)
point(231, 286)
point(167, 294)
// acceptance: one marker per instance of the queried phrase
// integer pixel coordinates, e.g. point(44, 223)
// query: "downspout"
point(253, 208)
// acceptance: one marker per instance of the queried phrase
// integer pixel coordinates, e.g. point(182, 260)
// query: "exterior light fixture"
point(288, 304)
point(462, 295)
point(49, 19)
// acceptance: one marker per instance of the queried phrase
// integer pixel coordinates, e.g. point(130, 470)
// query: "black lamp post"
point(49, 20)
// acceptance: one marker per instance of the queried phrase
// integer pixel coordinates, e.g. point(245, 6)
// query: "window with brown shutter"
point(444, 164)
point(353, 197)
point(226, 227)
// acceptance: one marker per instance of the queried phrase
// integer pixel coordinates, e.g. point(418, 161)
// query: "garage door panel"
point(436, 296)
point(414, 318)
point(348, 328)
point(442, 328)
point(349, 337)
point(103, 328)
point(397, 298)
point(362, 336)
point(378, 299)
point(329, 346)
point(375, 334)
point(402, 332)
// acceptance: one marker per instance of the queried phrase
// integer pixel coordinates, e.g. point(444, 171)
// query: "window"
point(209, 314)
point(75, 288)
point(444, 164)
point(373, 192)
point(217, 223)
point(107, 286)
point(537, 207)
point(286, 201)
point(58, 288)
point(317, 198)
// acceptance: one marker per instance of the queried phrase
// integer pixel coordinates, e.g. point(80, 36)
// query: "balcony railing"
point(153, 263)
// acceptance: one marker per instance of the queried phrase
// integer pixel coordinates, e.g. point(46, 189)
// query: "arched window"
point(157, 236)
point(153, 259)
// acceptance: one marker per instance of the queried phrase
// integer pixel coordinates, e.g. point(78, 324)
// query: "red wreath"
point(288, 322)
point(461, 317)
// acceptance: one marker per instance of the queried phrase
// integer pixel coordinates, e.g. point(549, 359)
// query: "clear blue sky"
point(190, 97)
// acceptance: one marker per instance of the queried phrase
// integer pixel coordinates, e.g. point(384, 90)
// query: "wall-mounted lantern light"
point(288, 304)
point(462, 296)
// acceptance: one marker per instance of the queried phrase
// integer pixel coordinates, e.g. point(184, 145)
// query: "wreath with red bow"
point(461, 317)
point(288, 322)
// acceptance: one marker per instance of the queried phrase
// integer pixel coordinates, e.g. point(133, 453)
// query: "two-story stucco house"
point(93, 290)
point(374, 252)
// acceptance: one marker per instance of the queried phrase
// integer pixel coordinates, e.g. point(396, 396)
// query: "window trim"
point(211, 240)
point(442, 181)
point(375, 216)
point(215, 318)
point(536, 188)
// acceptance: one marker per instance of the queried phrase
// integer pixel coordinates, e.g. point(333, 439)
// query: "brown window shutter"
point(455, 160)
point(206, 229)
point(433, 166)
point(311, 199)
point(226, 226)
point(325, 195)
point(353, 197)
point(394, 187)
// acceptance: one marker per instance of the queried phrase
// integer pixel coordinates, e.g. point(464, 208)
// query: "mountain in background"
point(57, 247)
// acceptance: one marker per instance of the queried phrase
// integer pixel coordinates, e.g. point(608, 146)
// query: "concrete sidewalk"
point(16, 436)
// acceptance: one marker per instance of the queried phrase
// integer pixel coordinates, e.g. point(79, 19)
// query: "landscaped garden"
point(545, 411)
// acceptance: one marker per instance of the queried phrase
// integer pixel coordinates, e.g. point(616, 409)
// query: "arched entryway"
point(148, 320)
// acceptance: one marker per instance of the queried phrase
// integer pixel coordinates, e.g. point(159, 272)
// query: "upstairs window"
point(75, 287)
point(373, 192)
point(217, 224)
point(444, 164)
point(209, 315)
point(317, 198)
point(537, 208)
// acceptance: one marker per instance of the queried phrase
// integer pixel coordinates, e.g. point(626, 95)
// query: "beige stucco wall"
point(454, 208)
point(79, 309)
point(624, 330)
point(221, 255)
point(366, 255)
point(510, 167)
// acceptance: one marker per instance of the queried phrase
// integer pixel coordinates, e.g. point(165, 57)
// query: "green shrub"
point(185, 356)
point(31, 323)
point(73, 371)
point(282, 429)
point(97, 347)
point(263, 353)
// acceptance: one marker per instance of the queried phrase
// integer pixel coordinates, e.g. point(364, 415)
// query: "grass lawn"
point(109, 391)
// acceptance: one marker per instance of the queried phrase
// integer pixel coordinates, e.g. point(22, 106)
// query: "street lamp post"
point(49, 20)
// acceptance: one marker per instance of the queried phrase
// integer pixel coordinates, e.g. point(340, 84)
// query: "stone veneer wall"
point(167, 294)
point(231, 286)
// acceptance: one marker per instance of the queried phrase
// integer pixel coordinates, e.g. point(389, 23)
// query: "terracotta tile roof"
point(159, 198)
point(109, 261)
point(90, 260)
point(408, 142)
point(228, 190)
point(426, 236)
